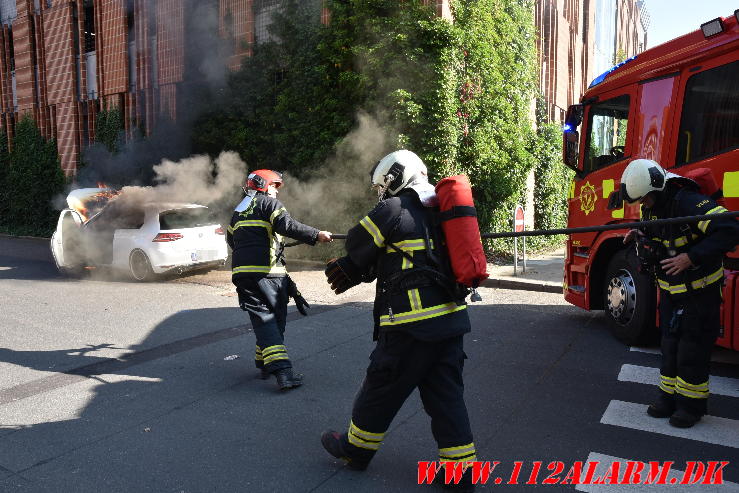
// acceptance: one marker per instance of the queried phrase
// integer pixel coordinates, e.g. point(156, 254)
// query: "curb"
point(14, 237)
point(521, 285)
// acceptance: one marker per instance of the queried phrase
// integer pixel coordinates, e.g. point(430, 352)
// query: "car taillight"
point(220, 231)
point(164, 237)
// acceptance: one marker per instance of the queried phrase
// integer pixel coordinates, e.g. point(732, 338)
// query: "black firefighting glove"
point(341, 274)
point(300, 303)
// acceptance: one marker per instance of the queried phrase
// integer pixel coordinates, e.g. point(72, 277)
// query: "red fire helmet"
point(260, 179)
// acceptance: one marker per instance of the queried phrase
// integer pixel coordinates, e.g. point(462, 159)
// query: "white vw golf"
point(141, 239)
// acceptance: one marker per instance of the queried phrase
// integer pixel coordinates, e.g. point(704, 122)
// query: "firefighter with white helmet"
point(420, 317)
point(687, 262)
point(258, 270)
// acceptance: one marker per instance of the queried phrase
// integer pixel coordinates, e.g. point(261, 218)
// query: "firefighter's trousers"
point(398, 365)
point(689, 330)
point(266, 301)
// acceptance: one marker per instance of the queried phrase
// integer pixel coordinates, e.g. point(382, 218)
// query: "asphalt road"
point(107, 385)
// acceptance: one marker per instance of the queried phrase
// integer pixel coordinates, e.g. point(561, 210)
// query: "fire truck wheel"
point(139, 267)
point(629, 301)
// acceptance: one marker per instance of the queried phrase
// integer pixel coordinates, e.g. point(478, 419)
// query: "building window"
point(8, 11)
point(264, 10)
point(605, 35)
point(89, 13)
point(710, 118)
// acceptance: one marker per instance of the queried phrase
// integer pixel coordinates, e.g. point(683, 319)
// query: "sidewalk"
point(543, 274)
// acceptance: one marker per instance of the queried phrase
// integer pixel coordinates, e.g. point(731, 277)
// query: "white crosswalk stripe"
point(606, 460)
point(719, 355)
point(711, 429)
point(650, 376)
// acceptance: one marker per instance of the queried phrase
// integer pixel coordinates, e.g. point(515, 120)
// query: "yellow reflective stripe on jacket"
point(458, 454)
point(258, 353)
point(409, 246)
point(252, 222)
point(703, 225)
point(263, 269)
point(364, 439)
point(373, 230)
point(414, 296)
point(697, 284)
point(679, 242)
point(276, 213)
point(422, 314)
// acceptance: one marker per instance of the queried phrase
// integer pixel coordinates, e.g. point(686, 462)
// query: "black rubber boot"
point(264, 374)
point(684, 419)
point(287, 380)
point(331, 441)
point(663, 408)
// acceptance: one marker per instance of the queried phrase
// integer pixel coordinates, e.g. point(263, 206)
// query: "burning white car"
point(100, 228)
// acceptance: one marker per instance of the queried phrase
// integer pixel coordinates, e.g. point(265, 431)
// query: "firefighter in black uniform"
point(258, 270)
point(420, 319)
point(687, 262)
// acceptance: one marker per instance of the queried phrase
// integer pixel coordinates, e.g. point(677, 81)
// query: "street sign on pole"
point(518, 226)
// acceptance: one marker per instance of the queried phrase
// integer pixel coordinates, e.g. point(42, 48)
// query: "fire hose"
point(593, 229)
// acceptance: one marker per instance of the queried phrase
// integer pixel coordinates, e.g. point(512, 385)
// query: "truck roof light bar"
point(712, 28)
point(736, 14)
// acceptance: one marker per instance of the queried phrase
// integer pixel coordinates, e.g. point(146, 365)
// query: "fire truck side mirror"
point(573, 118)
point(571, 149)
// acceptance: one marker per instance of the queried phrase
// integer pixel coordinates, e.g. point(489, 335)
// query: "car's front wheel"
point(630, 301)
point(139, 266)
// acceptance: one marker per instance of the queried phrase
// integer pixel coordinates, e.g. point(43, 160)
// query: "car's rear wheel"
point(629, 301)
point(139, 266)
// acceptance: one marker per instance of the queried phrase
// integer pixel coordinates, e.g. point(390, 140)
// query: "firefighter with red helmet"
point(419, 313)
point(258, 270)
point(687, 262)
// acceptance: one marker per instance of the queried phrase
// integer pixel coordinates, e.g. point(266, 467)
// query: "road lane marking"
point(719, 355)
point(711, 429)
point(650, 376)
point(606, 460)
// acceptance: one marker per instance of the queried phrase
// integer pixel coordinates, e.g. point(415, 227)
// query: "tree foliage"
point(457, 93)
point(35, 178)
point(109, 129)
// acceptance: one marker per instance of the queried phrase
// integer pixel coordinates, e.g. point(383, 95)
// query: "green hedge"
point(32, 180)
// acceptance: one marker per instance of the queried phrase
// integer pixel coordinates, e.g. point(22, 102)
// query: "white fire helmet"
point(642, 176)
point(398, 170)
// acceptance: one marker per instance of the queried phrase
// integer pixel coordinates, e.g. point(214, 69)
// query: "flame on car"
point(88, 201)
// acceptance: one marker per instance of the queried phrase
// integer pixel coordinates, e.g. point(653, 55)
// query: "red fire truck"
point(677, 103)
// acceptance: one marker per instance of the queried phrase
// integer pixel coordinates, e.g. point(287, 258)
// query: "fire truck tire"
point(629, 301)
point(139, 266)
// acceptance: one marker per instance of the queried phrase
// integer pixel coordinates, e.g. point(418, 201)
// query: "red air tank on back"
point(461, 230)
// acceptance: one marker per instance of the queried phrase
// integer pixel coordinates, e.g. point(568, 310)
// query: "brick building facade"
point(575, 45)
point(63, 61)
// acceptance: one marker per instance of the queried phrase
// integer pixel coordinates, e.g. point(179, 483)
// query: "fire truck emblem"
point(587, 198)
